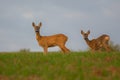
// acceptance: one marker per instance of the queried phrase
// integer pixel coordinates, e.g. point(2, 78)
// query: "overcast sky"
point(57, 16)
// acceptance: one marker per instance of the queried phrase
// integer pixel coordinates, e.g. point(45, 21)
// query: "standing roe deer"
point(50, 41)
point(98, 43)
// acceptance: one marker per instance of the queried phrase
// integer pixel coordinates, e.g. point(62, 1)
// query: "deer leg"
point(66, 49)
point(93, 50)
point(45, 50)
point(62, 49)
point(99, 50)
point(106, 46)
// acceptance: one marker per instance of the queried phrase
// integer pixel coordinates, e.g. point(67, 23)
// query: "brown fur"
point(98, 43)
point(50, 41)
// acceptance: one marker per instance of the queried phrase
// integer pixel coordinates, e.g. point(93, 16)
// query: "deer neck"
point(87, 41)
point(38, 36)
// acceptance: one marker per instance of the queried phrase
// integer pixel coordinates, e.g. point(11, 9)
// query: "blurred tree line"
point(114, 47)
point(24, 50)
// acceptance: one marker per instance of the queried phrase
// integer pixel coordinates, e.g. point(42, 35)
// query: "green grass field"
point(57, 66)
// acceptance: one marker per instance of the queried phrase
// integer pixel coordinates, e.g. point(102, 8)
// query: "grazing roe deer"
point(50, 41)
point(98, 43)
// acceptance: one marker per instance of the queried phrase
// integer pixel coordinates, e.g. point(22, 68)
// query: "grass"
point(56, 66)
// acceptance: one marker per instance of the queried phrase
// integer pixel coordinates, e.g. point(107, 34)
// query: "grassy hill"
point(57, 66)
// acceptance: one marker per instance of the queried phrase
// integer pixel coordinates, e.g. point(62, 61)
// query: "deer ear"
point(40, 24)
point(82, 32)
point(33, 24)
point(88, 32)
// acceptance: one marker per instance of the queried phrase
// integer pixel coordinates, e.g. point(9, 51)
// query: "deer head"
point(85, 35)
point(36, 28)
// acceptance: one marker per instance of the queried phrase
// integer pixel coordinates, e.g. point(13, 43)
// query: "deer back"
point(99, 42)
point(53, 40)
